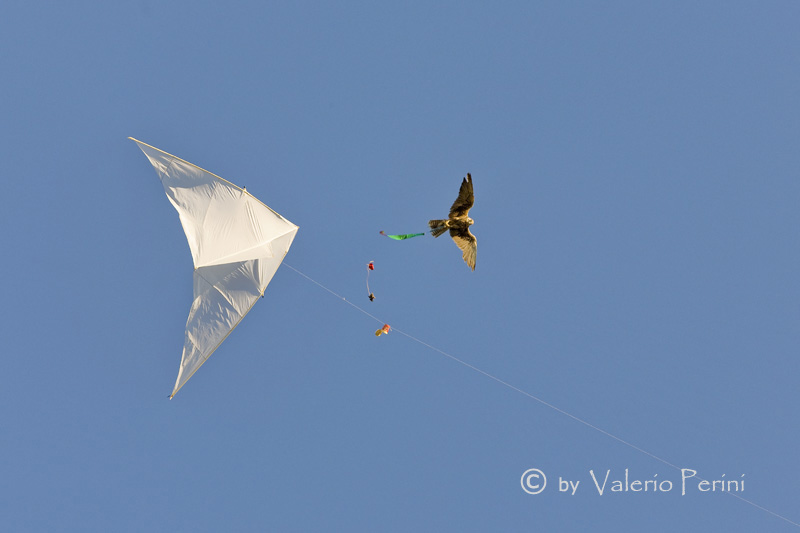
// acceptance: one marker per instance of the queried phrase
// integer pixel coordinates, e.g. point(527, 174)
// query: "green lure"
point(402, 237)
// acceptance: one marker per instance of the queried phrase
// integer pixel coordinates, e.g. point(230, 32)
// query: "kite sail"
point(237, 245)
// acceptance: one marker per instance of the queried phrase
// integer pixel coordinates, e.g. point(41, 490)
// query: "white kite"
point(237, 245)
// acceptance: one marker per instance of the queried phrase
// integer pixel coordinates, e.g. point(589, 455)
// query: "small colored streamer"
point(402, 237)
point(370, 267)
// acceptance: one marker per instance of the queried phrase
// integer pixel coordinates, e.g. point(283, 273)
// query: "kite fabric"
point(237, 244)
point(384, 329)
point(402, 237)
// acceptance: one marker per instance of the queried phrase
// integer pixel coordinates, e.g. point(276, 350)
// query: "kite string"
point(342, 298)
point(531, 396)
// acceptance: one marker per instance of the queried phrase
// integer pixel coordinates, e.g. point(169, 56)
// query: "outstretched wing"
point(465, 199)
point(468, 244)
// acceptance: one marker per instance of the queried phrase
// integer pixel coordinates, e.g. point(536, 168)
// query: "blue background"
point(636, 179)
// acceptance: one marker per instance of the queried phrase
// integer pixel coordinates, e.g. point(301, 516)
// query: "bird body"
point(458, 223)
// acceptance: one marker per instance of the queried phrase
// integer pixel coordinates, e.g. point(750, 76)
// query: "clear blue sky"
point(636, 174)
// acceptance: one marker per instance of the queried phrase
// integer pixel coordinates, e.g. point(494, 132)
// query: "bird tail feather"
point(437, 227)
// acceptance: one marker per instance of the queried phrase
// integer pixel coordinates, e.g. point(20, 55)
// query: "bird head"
point(470, 221)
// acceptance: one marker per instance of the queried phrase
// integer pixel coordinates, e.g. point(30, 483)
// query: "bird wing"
point(465, 199)
point(468, 244)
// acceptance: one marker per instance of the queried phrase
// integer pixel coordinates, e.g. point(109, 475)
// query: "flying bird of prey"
point(459, 222)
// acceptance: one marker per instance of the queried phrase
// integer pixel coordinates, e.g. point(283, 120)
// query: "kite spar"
point(237, 244)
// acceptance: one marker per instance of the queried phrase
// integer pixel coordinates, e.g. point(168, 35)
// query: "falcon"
point(458, 222)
